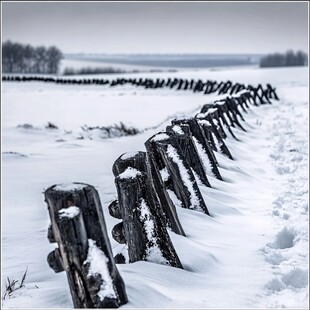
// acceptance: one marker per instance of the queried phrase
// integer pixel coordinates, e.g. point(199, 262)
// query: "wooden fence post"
point(187, 146)
point(79, 228)
point(183, 180)
point(201, 143)
point(218, 116)
point(162, 182)
point(208, 123)
point(272, 92)
point(228, 107)
point(145, 235)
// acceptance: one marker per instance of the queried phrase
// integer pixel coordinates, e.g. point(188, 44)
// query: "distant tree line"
point(20, 58)
point(287, 59)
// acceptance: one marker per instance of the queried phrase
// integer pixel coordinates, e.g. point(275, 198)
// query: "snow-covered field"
point(252, 252)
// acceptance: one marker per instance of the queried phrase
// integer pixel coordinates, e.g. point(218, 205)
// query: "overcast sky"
point(158, 27)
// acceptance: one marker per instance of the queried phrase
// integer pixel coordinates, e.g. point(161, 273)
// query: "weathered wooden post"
point(202, 145)
point(210, 87)
point(228, 108)
point(182, 179)
point(262, 95)
point(180, 84)
point(198, 86)
point(244, 99)
point(187, 146)
point(138, 161)
point(173, 83)
point(162, 181)
point(186, 84)
point(225, 117)
point(234, 104)
point(144, 231)
point(207, 129)
point(254, 95)
point(219, 116)
point(206, 120)
point(236, 88)
point(272, 92)
point(84, 250)
point(168, 82)
point(225, 87)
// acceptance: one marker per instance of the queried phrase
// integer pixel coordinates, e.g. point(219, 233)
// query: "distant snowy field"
point(253, 252)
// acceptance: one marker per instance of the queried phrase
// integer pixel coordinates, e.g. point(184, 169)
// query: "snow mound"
point(297, 278)
point(294, 279)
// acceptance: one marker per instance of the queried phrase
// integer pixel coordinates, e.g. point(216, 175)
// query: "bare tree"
point(288, 59)
point(19, 58)
point(54, 56)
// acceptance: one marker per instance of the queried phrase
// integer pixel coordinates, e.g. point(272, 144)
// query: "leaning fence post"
point(161, 180)
point(186, 144)
point(184, 183)
point(78, 226)
point(146, 237)
point(216, 131)
point(201, 143)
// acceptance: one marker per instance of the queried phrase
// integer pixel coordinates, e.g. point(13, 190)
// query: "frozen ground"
point(253, 252)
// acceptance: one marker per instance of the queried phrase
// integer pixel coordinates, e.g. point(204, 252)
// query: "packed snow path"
point(253, 252)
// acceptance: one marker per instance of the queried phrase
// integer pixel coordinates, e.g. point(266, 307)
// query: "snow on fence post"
point(203, 146)
point(237, 88)
point(263, 94)
point(243, 99)
point(186, 144)
point(213, 132)
point(84, 250)
point(225, 116)
point(162, 182)
point(233, 105)
point(271, 92)
point(182, 179)
point(228, 108)
point(225, 87)
point(143, 220)
point(255, 97)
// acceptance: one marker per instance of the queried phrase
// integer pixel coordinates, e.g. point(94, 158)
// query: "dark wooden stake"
point(146, 237)
point(186, 144)
point(200, 139)
point(162, 182)
point(184, 183)
point(79, 229)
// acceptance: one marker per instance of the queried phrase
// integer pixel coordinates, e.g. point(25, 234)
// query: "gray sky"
point(158, 27)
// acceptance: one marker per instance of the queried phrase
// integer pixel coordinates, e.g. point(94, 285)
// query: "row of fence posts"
point(150, 185)
point(205, 87)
